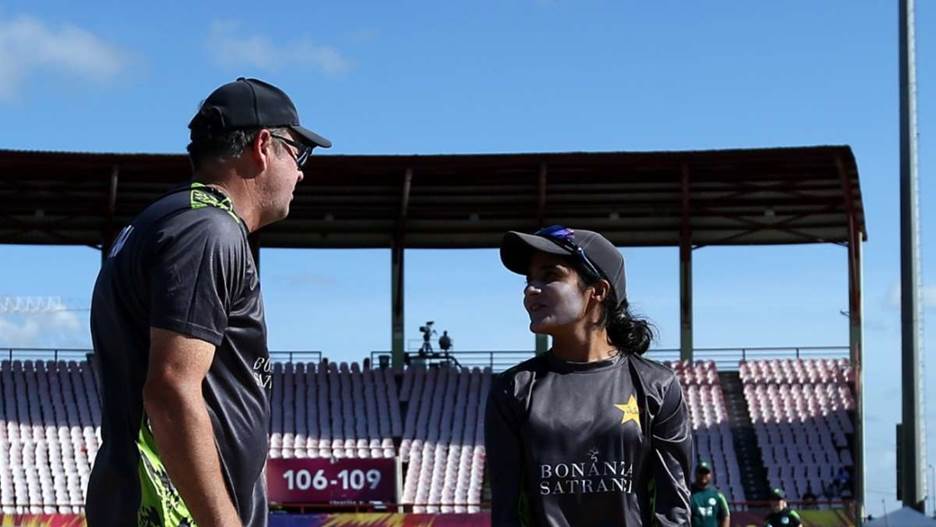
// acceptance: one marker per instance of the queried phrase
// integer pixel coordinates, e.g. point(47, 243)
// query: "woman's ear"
point(601, 289)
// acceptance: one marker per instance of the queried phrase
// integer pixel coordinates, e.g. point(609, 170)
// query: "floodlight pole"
point(913, 484)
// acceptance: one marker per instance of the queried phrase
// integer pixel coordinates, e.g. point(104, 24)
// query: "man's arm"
point(724, 513)
point(172, 398)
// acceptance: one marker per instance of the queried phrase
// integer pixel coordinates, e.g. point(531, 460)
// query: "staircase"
point(750, 460)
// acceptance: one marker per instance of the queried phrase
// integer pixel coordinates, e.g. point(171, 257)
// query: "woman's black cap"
point(517, 249)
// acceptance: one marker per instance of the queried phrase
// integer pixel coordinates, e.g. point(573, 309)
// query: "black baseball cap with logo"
point(588, 249)
point(251, 103)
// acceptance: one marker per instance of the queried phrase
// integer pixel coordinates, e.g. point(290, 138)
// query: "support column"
point(541, 342)
point(856, 347)
point(110, 230)
point(397, 270)
point(855, 331)
point(685, 273)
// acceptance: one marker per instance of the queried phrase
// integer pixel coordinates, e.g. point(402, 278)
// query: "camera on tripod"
point(427, 330)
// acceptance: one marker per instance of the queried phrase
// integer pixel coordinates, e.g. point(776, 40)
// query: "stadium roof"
point(717, 197)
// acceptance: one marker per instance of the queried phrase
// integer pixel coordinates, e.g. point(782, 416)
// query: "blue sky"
point(502, 76)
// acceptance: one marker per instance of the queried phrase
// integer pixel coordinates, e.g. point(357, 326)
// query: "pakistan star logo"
point(631, 412)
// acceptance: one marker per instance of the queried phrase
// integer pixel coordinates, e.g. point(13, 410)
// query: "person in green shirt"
point(709, 506)
point(781, 515)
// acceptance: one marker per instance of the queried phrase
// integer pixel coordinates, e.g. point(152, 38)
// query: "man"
point(709, 506)
point(178, 326)
point(780, 514)
point(445, 342)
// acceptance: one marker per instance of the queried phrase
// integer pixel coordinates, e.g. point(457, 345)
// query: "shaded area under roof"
point(722, 197)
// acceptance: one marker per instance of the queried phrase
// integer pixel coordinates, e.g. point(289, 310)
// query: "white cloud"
point(232, 48)
point(28, 45)
point(40, 330)
point(927, 296)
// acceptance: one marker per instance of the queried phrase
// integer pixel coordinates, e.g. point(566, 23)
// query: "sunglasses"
point(565, 237)
point(304, 151)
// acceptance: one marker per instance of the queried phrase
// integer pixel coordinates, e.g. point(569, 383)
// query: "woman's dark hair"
point(626, 331)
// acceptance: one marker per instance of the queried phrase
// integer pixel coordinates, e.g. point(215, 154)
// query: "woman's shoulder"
point(655, 376)
point(512, 380)
point(651, 366)
point(524, 369)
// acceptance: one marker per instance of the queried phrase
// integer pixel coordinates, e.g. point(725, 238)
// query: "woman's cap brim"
point(517, 250)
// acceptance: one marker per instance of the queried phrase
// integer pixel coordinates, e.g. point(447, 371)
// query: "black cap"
point(703, 466)
point(251, 103)
point(517, 249)
point(777, 494)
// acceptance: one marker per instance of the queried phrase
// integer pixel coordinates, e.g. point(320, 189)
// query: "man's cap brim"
point(517, 250)
point(310, 138)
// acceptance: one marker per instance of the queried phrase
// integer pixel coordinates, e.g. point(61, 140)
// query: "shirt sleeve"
point(671, 441)
point(504, 457)
point(723, 509)
point(194, 273)
point(796, 519)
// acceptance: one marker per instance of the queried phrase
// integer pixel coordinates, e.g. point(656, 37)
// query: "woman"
point(590, 433)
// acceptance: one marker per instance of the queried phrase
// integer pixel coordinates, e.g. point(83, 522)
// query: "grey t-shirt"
point(184, 265)
point(594, 444)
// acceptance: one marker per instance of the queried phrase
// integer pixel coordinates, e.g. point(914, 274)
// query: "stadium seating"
point(343, 410)
point(800, 412)
point(443, 438)
point(49, 434)
point(711, 428)
point(432, 419)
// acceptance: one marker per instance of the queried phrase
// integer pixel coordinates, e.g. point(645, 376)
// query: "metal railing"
point(296, 356)
point(725, 359)
point(77, 354)
point(55, 354)
point(497, 360)
point(729, 359)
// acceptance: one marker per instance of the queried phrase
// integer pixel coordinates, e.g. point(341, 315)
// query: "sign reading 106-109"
point(310, 481)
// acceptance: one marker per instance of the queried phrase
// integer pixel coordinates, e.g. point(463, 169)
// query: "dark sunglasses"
point(565, 237)
point(305, 151)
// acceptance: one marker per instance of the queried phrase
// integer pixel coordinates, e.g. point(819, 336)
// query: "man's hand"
point(173, 400)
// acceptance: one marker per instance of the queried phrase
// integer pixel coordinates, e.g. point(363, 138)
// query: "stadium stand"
point(432, 419)
point(800, 410)
point(49, 434)
point(711, 428)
